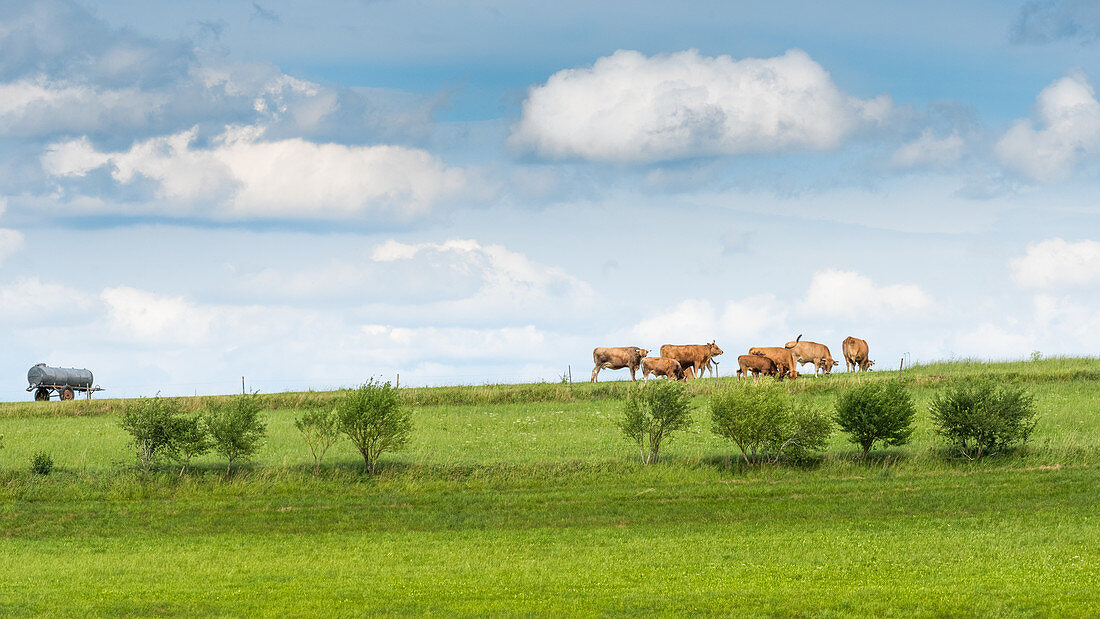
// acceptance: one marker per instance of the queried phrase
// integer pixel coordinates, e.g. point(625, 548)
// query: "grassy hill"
point(526, 499)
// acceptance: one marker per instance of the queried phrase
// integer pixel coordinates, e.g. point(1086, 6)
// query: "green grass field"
point(526, 499)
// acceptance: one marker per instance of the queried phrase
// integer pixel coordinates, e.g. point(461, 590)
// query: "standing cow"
point(855, 354)
point(692, 357)
point(617, 358)
point(780, 356)
point(812, 352)
point(659, 366)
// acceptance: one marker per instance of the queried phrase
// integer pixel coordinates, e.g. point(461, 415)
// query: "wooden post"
point(901, 365)
point(398, 381)
point(570, 368)
point(243, 392)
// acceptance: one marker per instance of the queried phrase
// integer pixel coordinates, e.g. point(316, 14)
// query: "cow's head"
point(641, 352)
point(713, 349)
point(869, 364)
point(678, 372)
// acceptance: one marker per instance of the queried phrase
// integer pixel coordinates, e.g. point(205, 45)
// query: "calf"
point(660, 366)
point(755, 364)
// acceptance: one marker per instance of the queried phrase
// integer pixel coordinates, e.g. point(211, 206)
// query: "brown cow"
point(617, 358)
point(782, 357)
point(692, 357)
point(756, 365)
point(855, 354)
point(812, 352)
point(659, 366)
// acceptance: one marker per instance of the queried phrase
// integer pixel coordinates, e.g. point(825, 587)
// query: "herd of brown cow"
point(680, 362)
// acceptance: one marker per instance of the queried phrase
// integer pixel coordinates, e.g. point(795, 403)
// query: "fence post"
point(243, 392)
point(398, 381)
point(570, 368)
point(901, 365)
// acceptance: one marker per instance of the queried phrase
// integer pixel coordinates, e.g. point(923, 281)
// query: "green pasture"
point(526, 499)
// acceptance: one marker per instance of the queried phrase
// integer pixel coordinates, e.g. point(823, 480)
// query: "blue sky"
point(313, 194)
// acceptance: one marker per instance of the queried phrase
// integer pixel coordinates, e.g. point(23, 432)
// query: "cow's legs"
point(632, 373)
point(595, 372)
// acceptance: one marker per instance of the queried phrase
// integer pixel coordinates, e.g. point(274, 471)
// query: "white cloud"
point(41, 105)
point(846, 293)
point(697, 321)
point(250, 177)
point(929, 151)
point(11, 241)
point(1056, 262)
point(1068, 116)
point(30, 299)
point(989, 341)
point(629, 107)
point(147, 317)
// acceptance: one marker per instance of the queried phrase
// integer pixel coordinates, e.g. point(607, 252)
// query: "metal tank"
point(41, 374)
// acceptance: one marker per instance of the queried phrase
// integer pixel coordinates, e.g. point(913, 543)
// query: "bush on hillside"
point(982, 418)
point(373, 418)
point(766, 423)
point(158, 428)
point(876, 413)
point(236, 428)
point(41, 463)
point(652, 413)
point(320, 428)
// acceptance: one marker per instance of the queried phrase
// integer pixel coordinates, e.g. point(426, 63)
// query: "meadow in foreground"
point(540, 506)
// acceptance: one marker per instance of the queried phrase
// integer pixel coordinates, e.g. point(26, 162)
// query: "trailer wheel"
point(41, 394)
point(67, 394)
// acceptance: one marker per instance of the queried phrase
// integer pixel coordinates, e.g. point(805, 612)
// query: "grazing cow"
point(780, 356)
point(756, 365)
point(659, 366)
point(812, 352)
point(855, 354)
point(617, 358)
point(692, 357)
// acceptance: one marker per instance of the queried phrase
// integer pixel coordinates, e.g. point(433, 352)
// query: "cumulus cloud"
point(250, 177)
point(993, 342)
point(65, 71)
point(841, 293)
point(1054, 263)
point(1066, 129)
point(698, 321)
point(11, 241)
point(29, 299)
point(630, 107)
point(929, 151)
point(456, 282)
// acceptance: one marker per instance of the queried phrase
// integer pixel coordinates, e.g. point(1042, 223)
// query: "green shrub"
point(652, 413)
point(765, 422)
point(156, 425)
point(876, 413)
point(190, 438)
point(236, 428)
point(321, 431)
point(41, 463)
point(373, 418)
point(982, 418)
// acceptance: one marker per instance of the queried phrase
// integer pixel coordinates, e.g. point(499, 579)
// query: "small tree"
point(876, 413)
point(41, 463)
point(652, 413)
point(764, 422)
point(982, 418)
point(154, 424)
point(190, 439)
point(321, 431)
point(236, 428)
point(372, 417)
